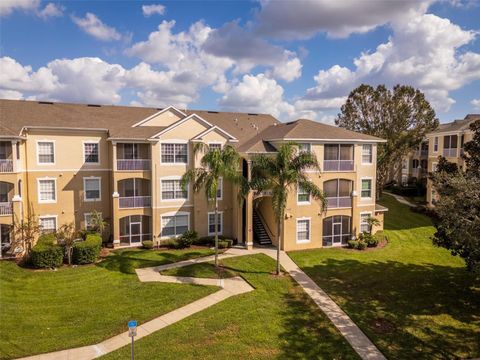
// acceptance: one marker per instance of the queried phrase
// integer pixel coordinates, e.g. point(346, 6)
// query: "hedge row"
point(47, 255)
point(87, 252)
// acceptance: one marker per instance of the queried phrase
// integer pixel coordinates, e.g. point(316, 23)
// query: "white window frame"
point(84, 155)
point(85, 215)
point(371, 154)
point(215, 143)
point(220, 213)
point(369, 213)
point(371, 188)
point(48, 217)
point(308, 202)
point(309, 230)
point(309, 145)
point(175, 178)
point(434, 166)
point(174, 142)
point(54, 152)
point(99, 188)
point(54, 201)
point(435, 144)
point(170, 214)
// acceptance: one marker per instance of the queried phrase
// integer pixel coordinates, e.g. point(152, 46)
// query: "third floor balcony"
point(133, 157)
point(338, 157)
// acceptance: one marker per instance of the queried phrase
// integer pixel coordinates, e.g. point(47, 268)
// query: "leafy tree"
point(457, 211)
point(280, 173)
point(25, 232)
point(402, 117)
point(215, 164)
point(98, 224)
point(68, 234)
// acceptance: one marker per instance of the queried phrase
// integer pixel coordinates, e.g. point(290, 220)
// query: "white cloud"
point(476, 104)
point(303, 19)
point(93, 26)
point(149, 10)
point(423, 52)
point(30, 6)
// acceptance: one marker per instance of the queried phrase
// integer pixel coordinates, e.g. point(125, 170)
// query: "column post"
point(115, 219)
point(355, 215)
point(249, 212)
point(14, 155)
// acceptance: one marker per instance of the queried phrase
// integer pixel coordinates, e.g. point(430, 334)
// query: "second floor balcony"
point(133, 157)
point(6, 208)
point(133, 164)
point(338, 193)
point(339, 202)
point(450, 152)
point(134, 193)
point(6, 194)
point(6, 165)
point(338, 165)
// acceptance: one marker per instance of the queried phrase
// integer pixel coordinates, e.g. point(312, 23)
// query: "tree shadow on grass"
point(432, 311)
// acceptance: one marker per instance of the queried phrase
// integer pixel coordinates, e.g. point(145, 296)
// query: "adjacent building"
point(63, 161)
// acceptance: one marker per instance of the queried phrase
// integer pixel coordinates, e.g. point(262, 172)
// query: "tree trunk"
point(279, 239)
point(216, 230)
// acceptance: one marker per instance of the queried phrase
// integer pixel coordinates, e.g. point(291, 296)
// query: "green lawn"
point(201, 270)
point(275, 321)
point(414, 300)
point(43, 311)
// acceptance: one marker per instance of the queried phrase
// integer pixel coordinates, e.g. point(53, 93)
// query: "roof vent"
point(94, 105)
point(212, 112)
point(45, 102)
point(252, 114)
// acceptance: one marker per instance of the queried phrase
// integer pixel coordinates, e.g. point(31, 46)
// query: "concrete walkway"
point(230, 287)
point(400, 199)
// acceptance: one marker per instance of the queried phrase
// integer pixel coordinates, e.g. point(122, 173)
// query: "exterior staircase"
point(259, 233)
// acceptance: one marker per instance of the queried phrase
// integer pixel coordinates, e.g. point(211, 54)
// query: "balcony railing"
point(450, 152)
point(134, 238)
point(6, 166)
point(5, 208)
point(133, 164)
point(134, 202)
point(421, 152)
point(339, 202)
point(337, 165)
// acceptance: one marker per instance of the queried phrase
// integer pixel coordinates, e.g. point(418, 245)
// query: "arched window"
point(336, 230)
point(338, 192)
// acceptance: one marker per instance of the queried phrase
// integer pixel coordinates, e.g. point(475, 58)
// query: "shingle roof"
point(457, 125)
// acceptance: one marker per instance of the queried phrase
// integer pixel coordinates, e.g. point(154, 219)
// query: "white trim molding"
point(38, 153)
point(99, 188)
point(170, 214)
point(309, 219)
point(83, 150)
point(54, 201)
point(220, 214)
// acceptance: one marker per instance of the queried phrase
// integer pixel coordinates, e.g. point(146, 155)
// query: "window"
point(415, 164)
point(91, 188)
point(338, 157)
point(174, 153)
point(338, 193)
point(174, 225)
point(46, 191)
point(367, 154)
point(215, 146)
point(46, 152)
point(172, 190)
point(364, 225)
point(304, 147)
point(435, 144)
point(211, 223)
point(303, 196)
point(450, 143)
point(303, 230)
point(48, 223)
point(130, 151)
point(88, 220)
point(366, 188)
point(91, 153)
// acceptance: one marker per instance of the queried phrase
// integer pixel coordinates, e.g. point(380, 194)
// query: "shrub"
point(226, 243)
point(187, 239)
point(147, 244)
point(210, 240)
point(369, 239)
point(357, 244)
point(352, 244)
point(361, 245)
point(47, 256)
point(171, 243)
point(87, 252)
point(47, 239)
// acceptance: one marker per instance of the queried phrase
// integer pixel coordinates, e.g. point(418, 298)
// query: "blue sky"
point(291, 59)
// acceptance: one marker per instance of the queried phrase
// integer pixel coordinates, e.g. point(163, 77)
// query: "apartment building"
point(412, 167)
point(62, 161)
point(448, 141)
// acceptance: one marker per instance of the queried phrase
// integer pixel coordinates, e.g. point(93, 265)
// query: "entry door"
point(135, 232)
point(337, 234)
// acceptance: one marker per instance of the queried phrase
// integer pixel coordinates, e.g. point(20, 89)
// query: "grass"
point(201, 270)
point(43, 311)
point(275, 321)
point(414, 300)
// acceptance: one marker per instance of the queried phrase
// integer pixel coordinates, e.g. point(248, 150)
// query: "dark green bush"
point(88, 251)
point(47, 256)
point(187, 239)
point(352, 244)
point(171, 243)
point(47, 239)
point(357, 244)
point(369, 239)
point(361, 245)
point(210, 240)
point(147, 244)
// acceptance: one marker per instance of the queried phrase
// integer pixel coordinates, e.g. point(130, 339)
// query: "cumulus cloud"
point(154, 9)
point(32, 6)
point(423, 52)
point(476, 104)
point(93, 26)
point(304, 18)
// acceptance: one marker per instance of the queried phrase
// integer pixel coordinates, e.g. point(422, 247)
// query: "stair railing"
point(265, 226)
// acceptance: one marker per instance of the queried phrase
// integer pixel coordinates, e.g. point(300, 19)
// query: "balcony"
point(6, 166)
point(420, 153)
point(452, 152)
point(338, 165)
point(130, 202)
point(339, 202)
point(133, 164)
point(6, 208)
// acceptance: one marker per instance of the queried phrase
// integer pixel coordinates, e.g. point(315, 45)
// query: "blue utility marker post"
point(132, 332)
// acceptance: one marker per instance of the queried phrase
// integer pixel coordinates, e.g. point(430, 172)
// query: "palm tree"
point(215, 164)
point(280, 173)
